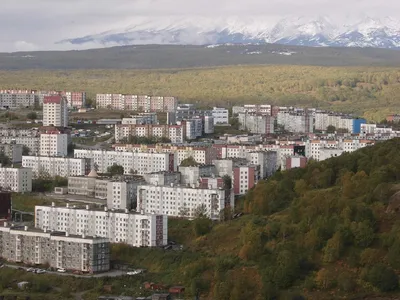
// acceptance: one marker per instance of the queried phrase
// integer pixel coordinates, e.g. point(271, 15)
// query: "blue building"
point(357, 125)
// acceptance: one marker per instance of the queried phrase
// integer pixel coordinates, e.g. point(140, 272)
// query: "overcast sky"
point(38, 24)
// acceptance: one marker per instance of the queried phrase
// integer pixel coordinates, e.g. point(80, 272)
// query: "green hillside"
point(370, 92)
point(329, 231)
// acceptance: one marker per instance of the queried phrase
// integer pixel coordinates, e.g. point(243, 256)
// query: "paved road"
point(112, 273)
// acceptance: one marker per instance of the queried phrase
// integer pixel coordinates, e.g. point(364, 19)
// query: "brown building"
point(5, 205)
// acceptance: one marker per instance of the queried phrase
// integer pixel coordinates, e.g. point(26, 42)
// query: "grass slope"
point(371, 92)
point(329, 231)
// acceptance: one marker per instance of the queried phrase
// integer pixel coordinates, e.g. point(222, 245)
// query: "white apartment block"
point(56, 166)
point(136, 103)
point(18, 180)
point(55, 111)
point(135, 229)
point(173, 200)
point(175, 133)
point(191, 133)
point(320, 149)
point(296, 122)
point(11, 100)
point(33, 246)
point(255, 123)
point(202, 155)
point(138, 163)
point(220, 115)
point(32, 142)
point(54, 144)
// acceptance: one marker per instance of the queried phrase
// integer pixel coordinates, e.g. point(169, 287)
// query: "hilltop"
point(329, 231)
point(369, 92)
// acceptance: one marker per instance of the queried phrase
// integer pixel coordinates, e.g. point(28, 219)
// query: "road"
point(112, 273)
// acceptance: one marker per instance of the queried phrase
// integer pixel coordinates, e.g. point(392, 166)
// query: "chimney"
point(26, 228)
point(87, 207)
point(53, 204)
point(67, 205)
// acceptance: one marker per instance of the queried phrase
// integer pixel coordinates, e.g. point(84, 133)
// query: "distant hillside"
point(329, 231)
point(370, 92)
point(169, 56)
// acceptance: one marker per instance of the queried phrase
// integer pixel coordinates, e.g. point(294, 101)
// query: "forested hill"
point(329, 231)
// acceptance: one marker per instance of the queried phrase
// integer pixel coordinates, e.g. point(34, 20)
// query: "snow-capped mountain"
point(316, 31)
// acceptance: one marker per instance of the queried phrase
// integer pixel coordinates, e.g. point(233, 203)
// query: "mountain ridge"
point(320, 31)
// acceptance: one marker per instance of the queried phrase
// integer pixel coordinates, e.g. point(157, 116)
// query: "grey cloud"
point(37, 24)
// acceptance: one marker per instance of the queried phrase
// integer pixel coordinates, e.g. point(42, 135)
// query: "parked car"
point(62, 270)
point(31, 270)
point(40, 271)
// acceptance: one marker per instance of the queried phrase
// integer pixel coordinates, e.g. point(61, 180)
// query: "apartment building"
point(12, 151)
point(175, 133)
point(120, 191)
point(201, 154)
point(33, 246)
point(220, 115)
point(141, 119)
point(32, 142)
point(119, 226)
point(262, 109)
point(245, 177)
point(136, 103)
point(55, 111)
point(296, 122)
point(56, 166)
point(163, 178)
point(191, 175)
point(256, 123)
point(54, 143)
point(75, 99)
point(267, 160)
point(208, 124)
point(18, 180)
point(137, 163)
point(20, 100)
point(178, 201)
point(324, 119)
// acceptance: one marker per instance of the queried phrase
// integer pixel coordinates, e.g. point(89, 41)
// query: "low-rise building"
point(119, 226)
point(56, 166)
point(57, 249)
point(18, 180)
